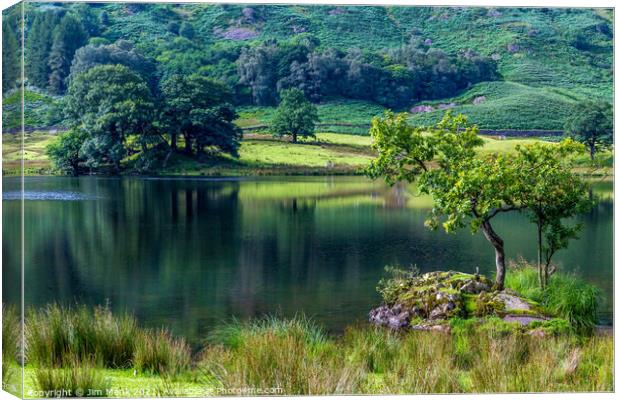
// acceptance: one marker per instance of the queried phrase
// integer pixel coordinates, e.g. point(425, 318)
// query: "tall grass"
point(523, 278)
point(293, 356)
point(11, 333)
point(573, 299)
point(56, 335)
point(235, 333)
point(77, 379)
point(378, 361)
point(566, 296)
point(157, 352)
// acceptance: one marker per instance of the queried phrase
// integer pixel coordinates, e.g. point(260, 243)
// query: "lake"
point(189, 254)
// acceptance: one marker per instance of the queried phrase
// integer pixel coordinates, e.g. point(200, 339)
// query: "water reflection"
point(191, 253)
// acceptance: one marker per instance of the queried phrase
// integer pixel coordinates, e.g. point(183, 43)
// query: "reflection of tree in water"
point(277, 254)
point(143, 247)
point(191, 253)
point(397, 196)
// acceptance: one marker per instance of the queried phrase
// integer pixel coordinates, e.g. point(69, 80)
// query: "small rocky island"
point(429, 301)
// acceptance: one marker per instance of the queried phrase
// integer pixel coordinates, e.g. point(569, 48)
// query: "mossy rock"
point(427, 300)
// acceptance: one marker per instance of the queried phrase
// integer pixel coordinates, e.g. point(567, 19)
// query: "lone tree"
point(551, 193)
point(295, 116)
point(468, 190)
point(591, 124)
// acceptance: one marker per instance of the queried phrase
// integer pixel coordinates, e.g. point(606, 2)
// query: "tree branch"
point(502, 209)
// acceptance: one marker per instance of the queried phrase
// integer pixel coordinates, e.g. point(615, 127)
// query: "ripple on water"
point(47, 195)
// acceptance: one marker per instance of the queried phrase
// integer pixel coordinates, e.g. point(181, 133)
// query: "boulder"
point(422, 301)
point(393, 317)
point(475, 287)
point(524, 320)
point(513, 302)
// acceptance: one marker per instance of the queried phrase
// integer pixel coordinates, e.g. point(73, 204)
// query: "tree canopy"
point(295, 117)
point(470, 189)
point(68, 36)
point(110, 103)
point(199, 109)
point(11, 65)
point(592, 124)
point(551, 193)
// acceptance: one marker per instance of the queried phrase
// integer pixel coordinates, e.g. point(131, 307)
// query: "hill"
point(545, 59)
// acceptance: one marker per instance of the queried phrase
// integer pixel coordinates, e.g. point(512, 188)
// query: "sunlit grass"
point(376, 361)
point(329, 153)
point(299, 357)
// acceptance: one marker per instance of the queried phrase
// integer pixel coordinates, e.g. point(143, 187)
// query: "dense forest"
point(83, 36)
point(418, 59)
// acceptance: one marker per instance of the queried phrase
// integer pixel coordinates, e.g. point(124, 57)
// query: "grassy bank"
point(82, 348)
point(261, 154)
point(297, 357)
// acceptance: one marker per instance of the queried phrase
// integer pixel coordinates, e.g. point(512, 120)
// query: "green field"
point(262, 154)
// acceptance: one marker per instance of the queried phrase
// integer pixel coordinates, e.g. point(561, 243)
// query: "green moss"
point(470, 303)
point(532, 312)
point(486, 304)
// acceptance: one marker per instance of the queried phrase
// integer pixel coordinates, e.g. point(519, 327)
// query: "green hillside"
point(546, 59)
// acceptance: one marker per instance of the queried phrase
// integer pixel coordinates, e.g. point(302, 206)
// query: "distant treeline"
point(64, 41)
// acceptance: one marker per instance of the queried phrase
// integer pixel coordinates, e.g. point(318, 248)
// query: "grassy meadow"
point(262, 154)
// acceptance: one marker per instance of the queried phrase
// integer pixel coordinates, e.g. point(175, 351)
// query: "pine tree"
point(38, 47)
point(69, 36)
point(10, 55)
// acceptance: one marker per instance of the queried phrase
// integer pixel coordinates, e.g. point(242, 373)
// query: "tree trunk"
point(592, 148)
point(541, 279)
point(173, 141)
point(188, 145)
point(498, 245)
point(294, 138)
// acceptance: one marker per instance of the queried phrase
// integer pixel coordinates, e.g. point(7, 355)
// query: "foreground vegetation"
point(82, 348)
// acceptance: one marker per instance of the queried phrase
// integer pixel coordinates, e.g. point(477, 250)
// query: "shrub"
point(56, 336)
point(573, 299)
point(157, 352)
point(77, 379)
point(566, 296)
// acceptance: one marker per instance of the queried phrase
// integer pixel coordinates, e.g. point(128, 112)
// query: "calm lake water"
point(191, 253)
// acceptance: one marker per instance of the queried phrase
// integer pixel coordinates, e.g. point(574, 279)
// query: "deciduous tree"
point(110, 103)
point(295, 116)
point(65, 151)
point(592, 124)
point(551, 193)
point(199, 109)
point(467, 190)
